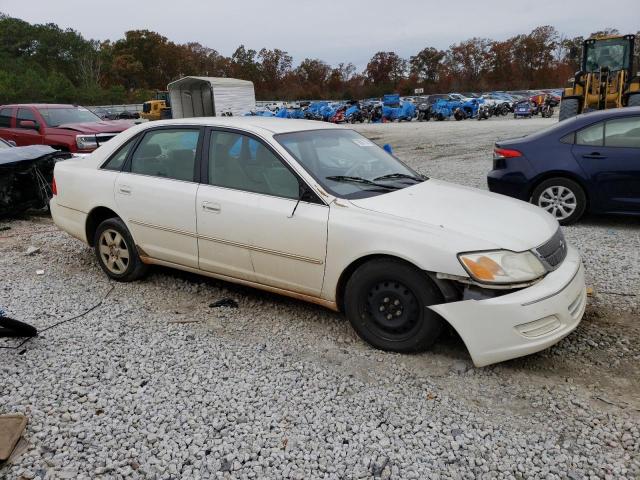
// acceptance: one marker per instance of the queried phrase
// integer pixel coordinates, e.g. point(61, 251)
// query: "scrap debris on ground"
point(277, 388)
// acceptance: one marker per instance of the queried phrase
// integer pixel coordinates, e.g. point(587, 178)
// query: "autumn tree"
point(427, 64)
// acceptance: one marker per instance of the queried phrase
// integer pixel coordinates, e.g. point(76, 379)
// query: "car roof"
point(610, 113)
point(270, 124)
point(41, 105)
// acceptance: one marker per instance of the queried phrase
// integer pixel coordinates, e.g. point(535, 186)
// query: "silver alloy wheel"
point(114, 252)
point(559, 201)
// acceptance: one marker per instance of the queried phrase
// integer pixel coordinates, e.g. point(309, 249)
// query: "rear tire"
point(569, 108)
point(634, 100)
point(116, 251)
point(386, 302)
point(561, 197)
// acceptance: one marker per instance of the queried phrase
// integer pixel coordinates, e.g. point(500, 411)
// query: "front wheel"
point(562, 198)
point(116, 251)
point(386, 302)
point(569, 108)
point(634, 100)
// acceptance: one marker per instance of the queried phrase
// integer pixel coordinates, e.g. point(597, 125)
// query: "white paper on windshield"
point(363, 142)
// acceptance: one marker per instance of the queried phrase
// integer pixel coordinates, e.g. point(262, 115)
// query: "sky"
point(332, 30)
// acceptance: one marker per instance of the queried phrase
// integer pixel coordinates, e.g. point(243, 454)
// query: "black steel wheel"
point(387, 303)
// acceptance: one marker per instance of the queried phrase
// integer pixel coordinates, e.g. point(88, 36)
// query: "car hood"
point(115, 126)
point(490, 218)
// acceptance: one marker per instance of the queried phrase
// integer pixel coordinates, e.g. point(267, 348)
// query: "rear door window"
point(167, 153)
point(5, 118)
point(591, 136)
point(118, 159)
point(623, 132)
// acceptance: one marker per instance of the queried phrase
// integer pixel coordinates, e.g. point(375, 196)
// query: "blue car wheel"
point(561, 197)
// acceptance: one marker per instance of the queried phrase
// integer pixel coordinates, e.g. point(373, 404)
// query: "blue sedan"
point(588, 163)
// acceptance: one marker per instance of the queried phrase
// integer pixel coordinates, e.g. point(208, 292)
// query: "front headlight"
point(86, 142)
point(502, 266)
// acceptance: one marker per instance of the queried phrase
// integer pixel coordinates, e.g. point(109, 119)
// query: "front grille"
point(554, 251)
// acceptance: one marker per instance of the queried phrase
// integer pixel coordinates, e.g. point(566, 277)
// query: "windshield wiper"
point(401, 175)
point(346, 178)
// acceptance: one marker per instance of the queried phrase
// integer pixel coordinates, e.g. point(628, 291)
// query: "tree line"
point(44, 63)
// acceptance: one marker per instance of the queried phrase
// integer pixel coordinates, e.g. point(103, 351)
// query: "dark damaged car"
point(26, 177)
point(68, 128)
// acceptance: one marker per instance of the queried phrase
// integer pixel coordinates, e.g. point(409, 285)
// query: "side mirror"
point(30, 124)
point(387, 148)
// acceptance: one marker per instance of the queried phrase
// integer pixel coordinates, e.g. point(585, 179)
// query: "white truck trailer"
point(211, 97)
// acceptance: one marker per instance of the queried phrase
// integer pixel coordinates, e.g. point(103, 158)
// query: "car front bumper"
point(523, 322)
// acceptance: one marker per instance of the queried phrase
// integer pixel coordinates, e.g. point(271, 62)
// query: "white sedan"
point(318, 212)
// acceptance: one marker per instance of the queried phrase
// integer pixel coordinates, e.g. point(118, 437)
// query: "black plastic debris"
point(224, 302)
point(13, 328)
point(26, 174)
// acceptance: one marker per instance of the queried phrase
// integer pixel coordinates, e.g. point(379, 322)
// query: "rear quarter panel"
point(81, 188)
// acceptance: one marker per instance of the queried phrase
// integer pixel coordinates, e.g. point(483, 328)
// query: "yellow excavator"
point(607, 77)
point(158, 108)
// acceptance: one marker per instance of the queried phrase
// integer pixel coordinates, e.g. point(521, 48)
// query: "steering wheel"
point(353, 171)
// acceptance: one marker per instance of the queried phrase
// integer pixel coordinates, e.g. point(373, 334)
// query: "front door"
point(156, 194)
point(609, 153)
point(25, 136)
point(247, 212)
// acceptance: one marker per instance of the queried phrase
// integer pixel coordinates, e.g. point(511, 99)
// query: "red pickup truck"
point(65, 127)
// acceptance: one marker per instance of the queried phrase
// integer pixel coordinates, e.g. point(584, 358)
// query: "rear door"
point(6, 123)
point(156, 194)
point(609, 153)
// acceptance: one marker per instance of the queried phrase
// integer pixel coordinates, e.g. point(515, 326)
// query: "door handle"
point(211, 207)
point(124, 189)
point(594, 155)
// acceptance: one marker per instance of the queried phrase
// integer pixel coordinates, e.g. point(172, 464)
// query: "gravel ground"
point(153, 383)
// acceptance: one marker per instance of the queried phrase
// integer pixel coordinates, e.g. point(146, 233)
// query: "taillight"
point(506, 153)
point(54, 188)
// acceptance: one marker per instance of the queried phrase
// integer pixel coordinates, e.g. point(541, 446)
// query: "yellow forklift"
point(157, 109)
point(607, 78)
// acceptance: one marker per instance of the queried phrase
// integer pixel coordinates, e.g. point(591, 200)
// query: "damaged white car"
point(320, 213)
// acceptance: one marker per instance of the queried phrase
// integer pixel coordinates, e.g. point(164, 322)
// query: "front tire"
point(116, 251)
point(569, 108)
point(634, 100)
point(562, 198)
point(386, 302)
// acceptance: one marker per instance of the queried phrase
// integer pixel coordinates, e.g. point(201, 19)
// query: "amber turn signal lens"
point(483, 268)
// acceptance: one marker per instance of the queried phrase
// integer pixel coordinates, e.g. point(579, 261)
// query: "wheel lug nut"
point(396, 302)
point(398, 313)
point(386, 300)
point(382, 309)
point(389, 317)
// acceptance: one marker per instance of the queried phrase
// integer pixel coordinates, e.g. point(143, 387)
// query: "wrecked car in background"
point(68, 128)
point(26, 175)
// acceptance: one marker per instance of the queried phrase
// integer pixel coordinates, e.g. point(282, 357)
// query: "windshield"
point(55, 117)
point(613, 54)
point(347, 164)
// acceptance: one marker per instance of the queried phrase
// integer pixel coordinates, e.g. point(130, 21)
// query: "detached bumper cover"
point(522, 322)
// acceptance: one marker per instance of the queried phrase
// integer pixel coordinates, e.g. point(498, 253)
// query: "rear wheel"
point(634, 100)
point(569, 108)
point(116, 251)
point(386, 302)
point(562, 198)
